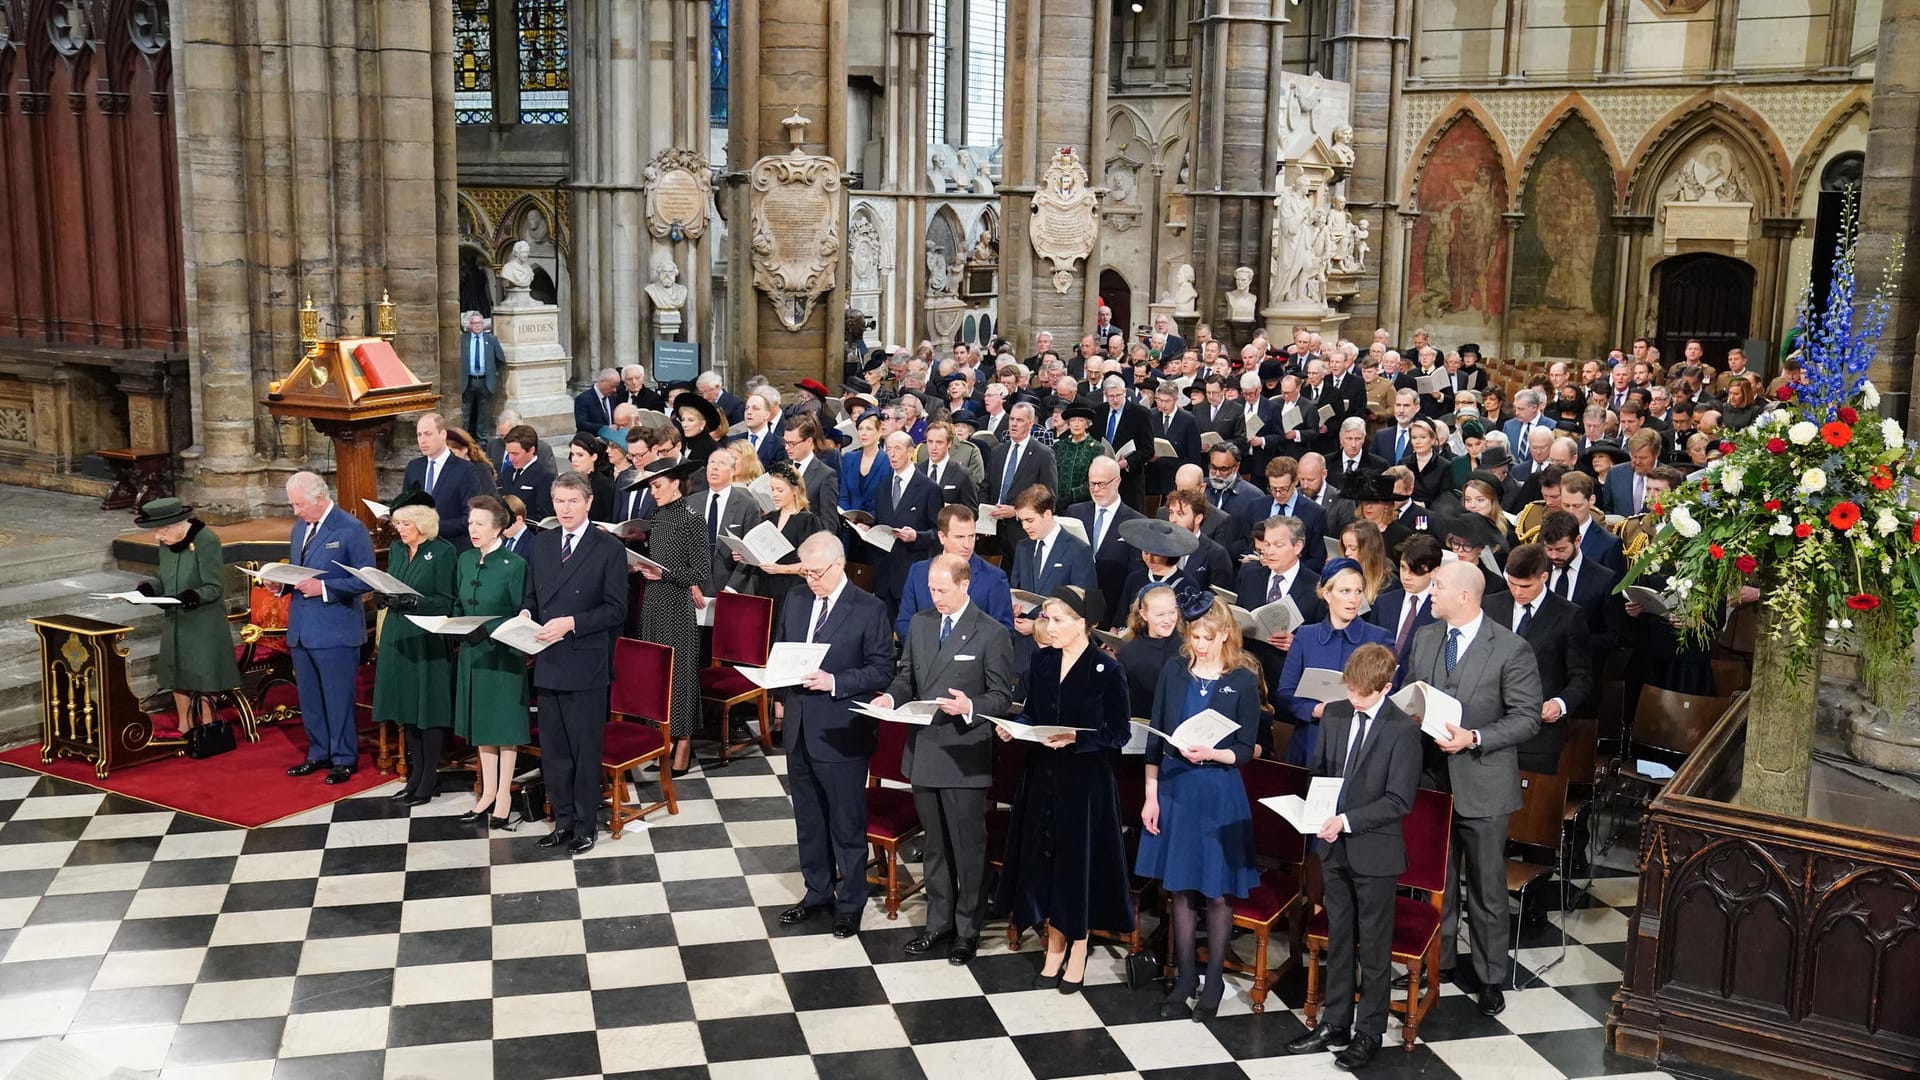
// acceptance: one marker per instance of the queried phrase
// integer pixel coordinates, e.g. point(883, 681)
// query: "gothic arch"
point(1174, 130)
point(1136, 126)
point(1571, 108)
point(507, 229)
point(1660, 150)
point(475, 228)
point(1826, 132)
point(1460, 109)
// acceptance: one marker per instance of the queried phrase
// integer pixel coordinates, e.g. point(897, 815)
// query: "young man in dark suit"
point(577, 592)
point(1575, 578)
point(525, 475)
point(1209, 564)
point(1375, 749)
point(958, 655)
point(445, 475)
point(827, 745)
point(909, 504)
point(1557, 633)
point(326, 625)
point(1407, 607)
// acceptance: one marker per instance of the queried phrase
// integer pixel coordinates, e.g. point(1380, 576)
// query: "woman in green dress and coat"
point(490, 686)
point(413, 676)
point(196, 641)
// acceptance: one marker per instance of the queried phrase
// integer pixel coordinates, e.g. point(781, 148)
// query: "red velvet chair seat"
point(890, 814)
point(1414, 923)
point(627, 741)
point(1270, 899)
point(266, 647)
point(724, 683)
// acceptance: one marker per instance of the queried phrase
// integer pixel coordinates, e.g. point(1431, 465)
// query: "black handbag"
point(207, 740)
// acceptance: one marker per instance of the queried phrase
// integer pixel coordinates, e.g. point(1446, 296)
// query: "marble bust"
point(1181, 295)
point(1241, 301)
point(517, 271)
point(666, 293)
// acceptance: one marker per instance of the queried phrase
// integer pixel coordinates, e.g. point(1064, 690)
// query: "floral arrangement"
point(1810, 504)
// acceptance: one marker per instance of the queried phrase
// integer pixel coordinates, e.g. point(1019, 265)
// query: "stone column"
point(1613, 56)
point(609, 122)
point(1839, 38)
point(1513, 42)
point(316, 156)
point(1726, 28)
point(1370, 54)
point(1889, 196)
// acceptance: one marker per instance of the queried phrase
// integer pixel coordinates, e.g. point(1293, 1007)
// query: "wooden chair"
point(1730, 676)
point(892, 819)
point(1282, 852)
point(1666, 726)
point(1416, 920)
point(742, 634)
point(1009, 762)
point(1540, 824)
point(643, 691)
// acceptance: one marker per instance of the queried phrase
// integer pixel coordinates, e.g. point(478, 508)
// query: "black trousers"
point(830, 828)
point(476, 402)
point(1479, 853)
point(955, 852)
point(573, 729)
point(1359, 931)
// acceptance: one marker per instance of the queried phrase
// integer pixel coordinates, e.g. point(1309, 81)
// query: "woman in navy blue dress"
point(1199, 838)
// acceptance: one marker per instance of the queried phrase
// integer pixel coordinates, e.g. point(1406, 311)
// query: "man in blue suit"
point(593, 407)
point(827, 743)
point(326, 625)
point(907, 503)
point(1405, 607)
point(480, 361)
point(1285, 499)
point(762, 427)
point(1048, 558)
point(445, 475)
point(987, 587)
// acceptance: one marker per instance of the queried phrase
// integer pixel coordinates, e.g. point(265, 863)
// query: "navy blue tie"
point(946, 627)
point(1453, 649)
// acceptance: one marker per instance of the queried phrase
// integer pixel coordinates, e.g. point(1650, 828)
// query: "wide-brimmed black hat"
point(1376, 487)
point(679, 469)
point(707, 410)
point(1606, 448)
point(1159, 537)
point(160, 513)
point(412, 497)
point(1471, 528)
point(1494, 457)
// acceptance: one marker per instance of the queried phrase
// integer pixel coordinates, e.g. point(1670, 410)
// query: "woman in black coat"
point(1432, 468)
point(587, 455)
point(678, 543)
point(1066, 864)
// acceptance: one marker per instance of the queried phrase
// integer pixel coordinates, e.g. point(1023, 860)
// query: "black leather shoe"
point(1048, 982)
point(1492, 1002)
point(504, 824)
point(924, 942)
point(306, 768)
point(1068, 986)
point(472, 817)
point(1446, 976)
point(963, 951)
point(401, 796)
point(1320, 1039)
point(556, 838)
point(580, 846)
point(846, 926)
point(1204, 1013)
point(1358, 1053)
point(800, 913)
point(340, 774)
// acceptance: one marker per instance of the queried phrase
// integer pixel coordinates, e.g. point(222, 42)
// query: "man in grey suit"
point(481, 359)
point(1492, 673)
point(728, 510)
point(960, 656)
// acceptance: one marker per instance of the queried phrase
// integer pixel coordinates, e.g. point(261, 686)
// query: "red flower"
point(1843, 516)
point(1785, 393)
point(1772, 504)
point(1746, 564)
point(1726, 447)
point(1716, 551)
point(1802, 530)
point(1836, 434)
point(1916, 532)
point(1847, 414)
point(1882, 478)
point(1863, 601)
point(1776, 445)
point(1657, 508)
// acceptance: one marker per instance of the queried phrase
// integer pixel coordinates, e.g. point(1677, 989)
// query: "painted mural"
point(1458, 263)
point(1564, 252)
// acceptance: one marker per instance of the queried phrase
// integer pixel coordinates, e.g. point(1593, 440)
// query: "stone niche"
point(60, 405)
point(1317, 250)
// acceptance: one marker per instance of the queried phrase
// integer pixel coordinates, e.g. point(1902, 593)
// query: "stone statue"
point(1342, 147)
point(1339, 235)
point(971, 174)
point(1710, 178)
point(864, 238)
point(1241, 301)
point(940, 168)
point(1293, 241)
point(939, 282)
point(517, 271)
point(1358, 254)
point(666, 293)
point(1183, 297)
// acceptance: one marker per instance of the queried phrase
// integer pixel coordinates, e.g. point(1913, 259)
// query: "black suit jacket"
point(1184, 433)
point(1252, 586)
point(1558, 635)
point(533, 485)
point(1115, 558)
point(458, 481)
point(1593, 594)
point(1229, 424)
point(956, 483)
point(592, 587)
point(1135, 427)
point(1387, 611)
point(859, 657)
point(1210, 564)
point(917, 512)
point(1379, 788)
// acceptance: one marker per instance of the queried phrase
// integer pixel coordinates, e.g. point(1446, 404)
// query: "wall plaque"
point(679, 191)
point(796, 228)
point(1064, 217)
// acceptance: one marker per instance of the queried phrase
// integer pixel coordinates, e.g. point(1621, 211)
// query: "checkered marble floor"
point(361, 941)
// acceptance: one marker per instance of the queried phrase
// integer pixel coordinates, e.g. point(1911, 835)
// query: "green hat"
point(412, 497)
point(162, 512)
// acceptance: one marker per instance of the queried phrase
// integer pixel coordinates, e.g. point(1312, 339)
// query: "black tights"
point(423, 759)
point(1186, 917)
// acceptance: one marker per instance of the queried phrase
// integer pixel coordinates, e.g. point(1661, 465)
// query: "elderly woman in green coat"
point(413, 677)
point(196, 641)
point(490, 695)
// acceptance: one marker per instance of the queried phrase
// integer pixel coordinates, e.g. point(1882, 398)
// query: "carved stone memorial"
point(796, 227)
point(679, 192)
point(1065, 217)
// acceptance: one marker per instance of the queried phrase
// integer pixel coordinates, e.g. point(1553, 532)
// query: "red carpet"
point(248, 787)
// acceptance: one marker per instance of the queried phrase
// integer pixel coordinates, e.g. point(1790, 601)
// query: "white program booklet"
point(454, 625)
point(1201, 731)
point(1072, 527)
point(880, 536)
point(282, 573)
point(379, 580)
point(762, 491)
point(1433, 707)
point(1290, 416)
point(1254, 423)
point(918, 713)
point(1124, 450)
point(787, 664)
point(1428, 384)
point(1310, 814)
point(1325, 414)
point(1322, 684)
point(518, 632)
point(1033, 732)
point(1651, 601)
point(1025, 601)
point(1280, 617)
point(132, 597)
point(764, 545)
point(1163, 449)
point(379, 510)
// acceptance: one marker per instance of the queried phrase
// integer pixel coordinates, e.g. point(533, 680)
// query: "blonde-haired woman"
point(1199, 838)
point(413, 677)
point(1361, 541)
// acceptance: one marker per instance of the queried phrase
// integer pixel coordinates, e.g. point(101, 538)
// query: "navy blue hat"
point(1334, 566)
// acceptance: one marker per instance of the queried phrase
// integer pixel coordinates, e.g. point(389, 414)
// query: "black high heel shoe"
point(1175, 1003)
point(1049, 982)
point(504, 824)
point(472, 817)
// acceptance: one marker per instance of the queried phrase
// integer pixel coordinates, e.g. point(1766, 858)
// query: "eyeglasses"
point(1092, 483)
point(815, 573)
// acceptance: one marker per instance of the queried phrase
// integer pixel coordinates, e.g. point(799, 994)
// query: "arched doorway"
point(1703, 296)
point(1118, 295)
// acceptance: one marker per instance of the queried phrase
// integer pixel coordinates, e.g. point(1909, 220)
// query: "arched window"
point(472, 62)
point(510, 62)
point(543, 60)
point(717, 77)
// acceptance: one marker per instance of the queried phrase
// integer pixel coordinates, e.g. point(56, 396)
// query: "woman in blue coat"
point(1325, 644)
point(1199, 831)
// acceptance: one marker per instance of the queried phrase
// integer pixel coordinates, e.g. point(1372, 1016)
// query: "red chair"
point(642, 689)
point(892, 819)
point(1416, 920)
point(742, 634)
point(1282, 853)
point(1009, 762)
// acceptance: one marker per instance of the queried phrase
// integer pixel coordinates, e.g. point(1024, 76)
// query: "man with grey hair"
point(635, 391)
point(326, 625)
point(593, 407)
point(1013, 465)
point(1528, 405)
point(481, 359)
point(1123, 422)
point(708, 386)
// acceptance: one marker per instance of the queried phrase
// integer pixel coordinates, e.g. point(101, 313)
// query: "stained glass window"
point(717, 78)
point(472, 62)
point(986, 47)
point(937, 71)
point(543, 60)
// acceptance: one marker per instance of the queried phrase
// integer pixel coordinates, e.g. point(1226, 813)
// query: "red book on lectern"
point(382, 366)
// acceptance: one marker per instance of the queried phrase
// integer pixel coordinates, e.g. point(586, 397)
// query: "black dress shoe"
point(421, 799)
point(1358, 1053)
point(963, 950)
point(925, 942)
point(580, 846)
point(1204, 1013)
point(556, 838)
point(340, 774)
point(1048, 982)
point(401, 796)
point(1492, 1002)
point(1320, 1039)
point(846, 926)
point(1172, 1008)
point(800, 913)
point(503, 824)
point(306, 768)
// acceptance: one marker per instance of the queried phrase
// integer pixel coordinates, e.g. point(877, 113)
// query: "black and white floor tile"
point(361, 941)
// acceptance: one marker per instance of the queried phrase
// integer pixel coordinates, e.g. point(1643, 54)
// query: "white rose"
point(1869, 396)
point(1892, 433)
point(1683, 523)
point(1886, 523)
point(1781, 527)
point(1802, 433)
point(1814, 479)
point(1732, 479)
